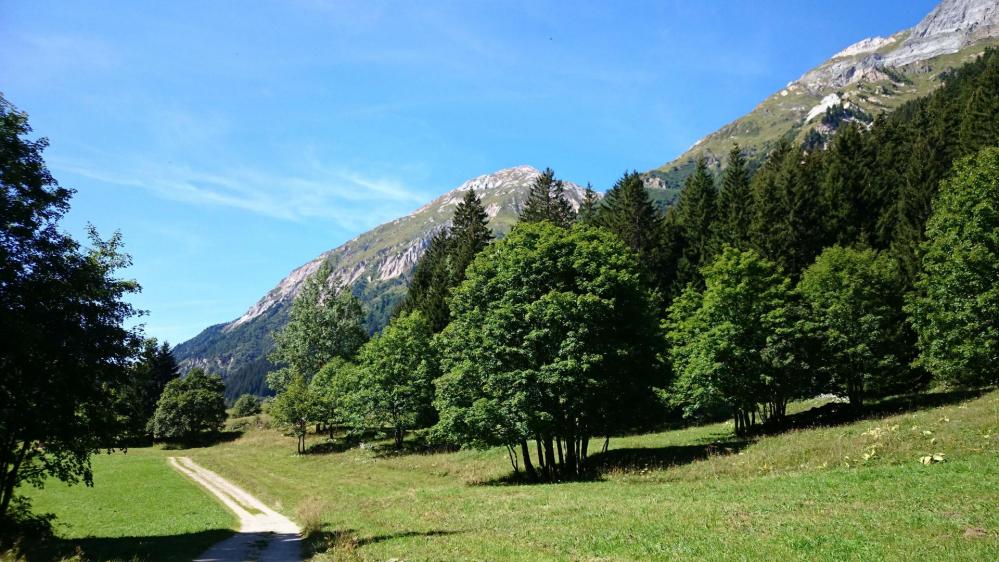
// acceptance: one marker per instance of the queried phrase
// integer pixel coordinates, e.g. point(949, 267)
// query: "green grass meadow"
point(854, 491)
point(139, 508)
point(857, 491)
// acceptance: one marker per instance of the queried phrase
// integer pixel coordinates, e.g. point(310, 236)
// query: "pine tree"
point(431, 281)
point(697, 213)
point(628, 212)
point(913, 208)
point(978, 127)
point(846, 187)
point(801, 241)
point(469, 235)
point(443, 265)
point(768, 204)
point(588, 207)
point(735, 201)
point(547, 202)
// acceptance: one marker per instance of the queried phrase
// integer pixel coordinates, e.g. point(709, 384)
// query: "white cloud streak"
point(347, 197)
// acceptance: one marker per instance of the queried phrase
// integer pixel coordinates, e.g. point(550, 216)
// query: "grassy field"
point(139, 508)
point(856, 491)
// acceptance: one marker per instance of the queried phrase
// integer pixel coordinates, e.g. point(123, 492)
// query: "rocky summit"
point(376, 264)
point(872, 76)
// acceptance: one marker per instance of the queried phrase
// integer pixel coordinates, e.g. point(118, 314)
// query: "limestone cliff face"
point(874, 75)
point(377, 265)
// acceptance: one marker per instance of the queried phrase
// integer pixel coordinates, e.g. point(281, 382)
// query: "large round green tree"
point(65, 351)
point(855, 300)
point(553, 339)
point(738, 345)
point(955, 309)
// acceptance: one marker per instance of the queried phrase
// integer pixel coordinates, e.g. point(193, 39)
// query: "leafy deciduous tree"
point(190, 406)
point(553, 340)
point(955, 309)
point(65, 353)
point(855, 301)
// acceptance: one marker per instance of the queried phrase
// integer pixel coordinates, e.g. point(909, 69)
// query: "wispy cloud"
point(349, 198)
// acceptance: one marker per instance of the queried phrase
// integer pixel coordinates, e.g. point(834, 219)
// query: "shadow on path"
point(347, 539)
point(167, 548)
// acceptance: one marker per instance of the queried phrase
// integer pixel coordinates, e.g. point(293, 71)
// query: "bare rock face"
point(952, 25)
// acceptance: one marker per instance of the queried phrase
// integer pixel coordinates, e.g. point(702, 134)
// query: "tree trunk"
point(550, 457)
point(10, 479)
point(398, 437)
point(558, 444)
point(570, 459)
point(541, 455)
point(606, 444)
point(583, 447)
point(525, 451)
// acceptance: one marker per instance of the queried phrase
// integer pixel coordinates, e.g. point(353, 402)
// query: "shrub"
point(246, 405)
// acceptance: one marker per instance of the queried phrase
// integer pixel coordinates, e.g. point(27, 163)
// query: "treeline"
point(864, 269)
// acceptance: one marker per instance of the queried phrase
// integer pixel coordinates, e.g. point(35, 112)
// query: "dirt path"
point(264, 534)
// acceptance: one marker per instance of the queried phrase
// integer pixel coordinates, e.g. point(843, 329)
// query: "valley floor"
point(857, 491)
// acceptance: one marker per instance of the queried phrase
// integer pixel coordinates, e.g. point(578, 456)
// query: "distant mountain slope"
point(872, 76)
point(377, 264)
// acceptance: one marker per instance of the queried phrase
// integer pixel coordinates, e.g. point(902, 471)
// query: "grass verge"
point(138, 509)
point(857, 491)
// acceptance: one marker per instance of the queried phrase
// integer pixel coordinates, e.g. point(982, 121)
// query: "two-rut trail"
point(264, 534)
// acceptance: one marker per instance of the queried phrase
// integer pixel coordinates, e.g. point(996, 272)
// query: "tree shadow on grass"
point(634, 459)
point(329, 447)
point(170, 548)
point(838, 413)
point(206, 440)
point(328, 540)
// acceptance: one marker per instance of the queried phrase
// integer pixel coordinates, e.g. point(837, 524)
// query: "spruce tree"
point(588, 207)
point(735, 201)
point(979, 127)
point(768, 203)
point(628, 212)
point(547, 202)
point(800, 239)
point(431, 281)
point(913, 208)
point(443, 265)
point(846, 187)
point(469, 235)
point(697, 214)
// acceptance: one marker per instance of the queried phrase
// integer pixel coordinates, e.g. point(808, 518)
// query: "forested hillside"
point(873, 76)
point(861, 270)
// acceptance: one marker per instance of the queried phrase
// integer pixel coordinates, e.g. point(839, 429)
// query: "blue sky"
point(231, 141)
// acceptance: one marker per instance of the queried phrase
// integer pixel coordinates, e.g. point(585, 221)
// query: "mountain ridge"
point(376, 265)
point(871, 76)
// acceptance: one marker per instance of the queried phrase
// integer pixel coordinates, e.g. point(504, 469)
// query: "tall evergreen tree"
point(913, 207)
point(443, 265)
point(735, 201)
point(469, 235)
point(547, 202)
point(697, 213)
point(768, 203)
point(431, 281)
point(588, 207)
point(801, 240)
point(979, 127)
point(847, 186)
point(154, 367)
point(629, 213)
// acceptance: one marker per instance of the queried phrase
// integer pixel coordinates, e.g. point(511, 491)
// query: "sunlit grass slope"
point(139, 508)
point(857, 491)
